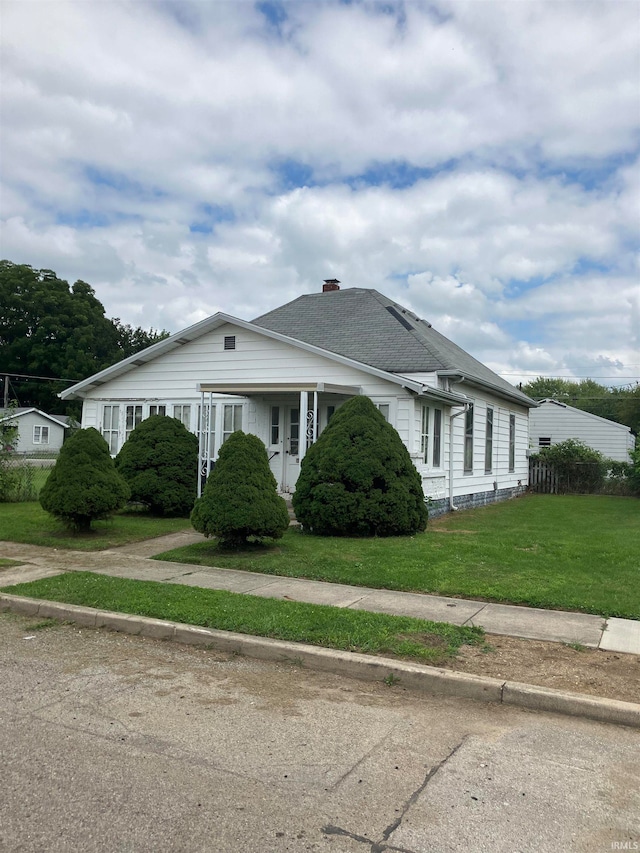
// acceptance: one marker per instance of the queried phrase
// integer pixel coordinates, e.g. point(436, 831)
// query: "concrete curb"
point(426, 679)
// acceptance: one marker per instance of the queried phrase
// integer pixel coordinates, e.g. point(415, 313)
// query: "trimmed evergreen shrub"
point(240, 500)
point(358, 478)
point(84, 484)
point(159, 461)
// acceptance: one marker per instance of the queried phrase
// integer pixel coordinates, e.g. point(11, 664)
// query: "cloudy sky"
point(476, 161)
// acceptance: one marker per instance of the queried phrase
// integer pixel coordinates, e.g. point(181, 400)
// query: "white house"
point(38, 431)
point(282, 376)
point(553, 422)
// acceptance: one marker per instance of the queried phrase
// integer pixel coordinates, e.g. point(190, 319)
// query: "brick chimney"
point(330, 284)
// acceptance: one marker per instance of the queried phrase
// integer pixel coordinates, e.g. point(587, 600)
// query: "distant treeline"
point(51, 329)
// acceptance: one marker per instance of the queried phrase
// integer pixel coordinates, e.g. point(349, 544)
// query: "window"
point(331, 410)
point(183, 413)
point(157, 410)
point(275, 424)
point(383, 408)
point(110, 425)
point(294, 430)
point(437, 438)
point(229, 341)
point(468, 440)
point(512, 443)
point(424, 435)
point(544, 441)
point(133, 417)
point(232, 421)
point(41, 435)
point(488, 442)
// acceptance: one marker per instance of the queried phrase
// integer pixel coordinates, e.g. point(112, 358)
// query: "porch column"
point(304, 411)
point(314, 435)
point(200, 445)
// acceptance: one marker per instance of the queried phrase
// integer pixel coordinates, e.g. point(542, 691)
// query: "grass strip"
point(317, 624)
point(27, 522)
point(551, 551)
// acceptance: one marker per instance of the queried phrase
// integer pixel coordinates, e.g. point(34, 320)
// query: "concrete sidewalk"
point(133, 561)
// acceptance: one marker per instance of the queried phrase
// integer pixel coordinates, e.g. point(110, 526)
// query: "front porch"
point(286, 416)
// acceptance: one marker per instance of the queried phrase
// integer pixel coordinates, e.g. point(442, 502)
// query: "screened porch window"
point(110, 423)
point(232, 421)
point(157, 410)
point(183, 414)
point(133, 417)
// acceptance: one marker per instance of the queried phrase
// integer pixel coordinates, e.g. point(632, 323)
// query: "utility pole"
point(6, 391)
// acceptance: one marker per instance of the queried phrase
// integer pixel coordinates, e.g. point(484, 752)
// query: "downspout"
point(463, 411)
point(451, 417)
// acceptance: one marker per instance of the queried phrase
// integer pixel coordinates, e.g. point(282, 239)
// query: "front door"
point(291, 447)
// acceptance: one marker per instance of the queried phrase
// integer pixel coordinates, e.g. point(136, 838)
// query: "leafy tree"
point(83, 484)
point(159, 461)
point(240, 500)
point(616, 404)
point(358, 478)
point(50, 329)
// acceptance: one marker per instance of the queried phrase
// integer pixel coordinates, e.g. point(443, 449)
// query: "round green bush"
point(240, 498)
point(358, 478)
point(159, 461)
point(83, 484)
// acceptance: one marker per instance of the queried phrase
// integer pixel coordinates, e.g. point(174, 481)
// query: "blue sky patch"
point(397, 174)
point(291, 174)
point(121, 183)
point(209, 215)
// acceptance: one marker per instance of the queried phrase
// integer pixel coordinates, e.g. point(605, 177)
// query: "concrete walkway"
point(133, 561)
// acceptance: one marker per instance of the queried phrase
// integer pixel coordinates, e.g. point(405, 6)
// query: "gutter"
point(517, 396)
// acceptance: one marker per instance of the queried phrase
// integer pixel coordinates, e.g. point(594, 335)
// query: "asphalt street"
point(118, 743)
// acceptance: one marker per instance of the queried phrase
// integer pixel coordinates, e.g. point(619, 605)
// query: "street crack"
point(382, 845)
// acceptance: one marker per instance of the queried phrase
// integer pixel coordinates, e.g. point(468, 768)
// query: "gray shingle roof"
point(364, 325)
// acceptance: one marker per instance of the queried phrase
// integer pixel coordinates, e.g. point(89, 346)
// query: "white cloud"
point(133, 121)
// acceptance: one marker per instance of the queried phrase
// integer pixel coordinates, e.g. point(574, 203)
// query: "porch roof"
point(246, 389)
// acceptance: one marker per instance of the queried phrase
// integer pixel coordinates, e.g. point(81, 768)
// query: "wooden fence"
point(542, 478)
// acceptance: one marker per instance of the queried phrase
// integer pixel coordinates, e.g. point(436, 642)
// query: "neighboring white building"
point(553, 422)
point(38, 431)
point(283, 375)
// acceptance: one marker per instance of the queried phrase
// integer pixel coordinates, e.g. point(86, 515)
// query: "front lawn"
point(565, 552)
point(29, 523)
point(320, 625)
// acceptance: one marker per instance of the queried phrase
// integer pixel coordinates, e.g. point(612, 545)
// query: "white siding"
point(559, 423)
point(25, 442)
point(173, 378)
point(500, 477)
point(174, 375)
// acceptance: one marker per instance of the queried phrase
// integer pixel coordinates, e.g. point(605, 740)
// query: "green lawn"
point(332, 627)
point(565, 552)
point(29, 523)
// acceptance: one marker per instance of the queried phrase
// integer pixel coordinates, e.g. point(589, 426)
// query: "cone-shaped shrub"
point(240, 498)
point(84, 484)
point(358, 478)
point(159, 461)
